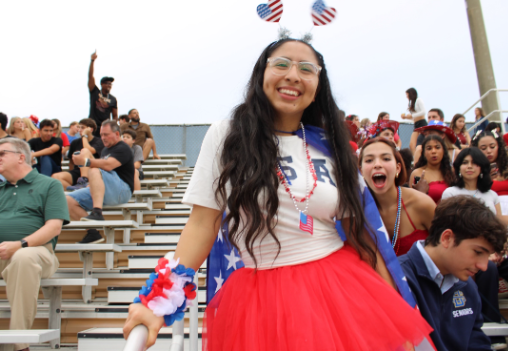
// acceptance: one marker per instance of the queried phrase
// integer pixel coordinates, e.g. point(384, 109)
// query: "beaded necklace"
point(396, 228)
point(306, 221)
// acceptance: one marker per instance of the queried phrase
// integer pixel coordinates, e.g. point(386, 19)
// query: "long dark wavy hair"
point(249, 158)
point(502, 157)
point(445, 167)
point(413, 95)
point(484, 182)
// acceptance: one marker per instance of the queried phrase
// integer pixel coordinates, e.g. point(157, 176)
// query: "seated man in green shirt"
point(33, 209)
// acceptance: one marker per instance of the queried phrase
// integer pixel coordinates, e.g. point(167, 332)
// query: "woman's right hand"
point(139, 314)
point(423, 185)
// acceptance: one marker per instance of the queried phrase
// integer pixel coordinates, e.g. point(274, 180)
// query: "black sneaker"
point(92, 237)
point(80, 184)
point(93, 217)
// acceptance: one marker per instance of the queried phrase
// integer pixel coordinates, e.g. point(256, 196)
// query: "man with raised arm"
point(32, 212)
point(102, 103)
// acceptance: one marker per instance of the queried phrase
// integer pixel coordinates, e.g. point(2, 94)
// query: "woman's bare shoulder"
point(418, 171)
point(417, 199)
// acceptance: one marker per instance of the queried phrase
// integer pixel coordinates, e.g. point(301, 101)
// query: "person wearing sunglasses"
point(264, 169)
point(33, 209)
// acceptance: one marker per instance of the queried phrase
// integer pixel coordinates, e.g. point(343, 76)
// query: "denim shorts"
point(117, 192)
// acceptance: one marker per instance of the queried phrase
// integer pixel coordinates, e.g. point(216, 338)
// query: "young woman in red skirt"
point(302, 287)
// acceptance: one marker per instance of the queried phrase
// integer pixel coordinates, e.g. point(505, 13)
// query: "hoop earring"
point(481, 175)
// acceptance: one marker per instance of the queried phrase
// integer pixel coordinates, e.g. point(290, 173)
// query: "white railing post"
point(178, 336)
point(194, 320)
point(137, 339)
point(500, 112)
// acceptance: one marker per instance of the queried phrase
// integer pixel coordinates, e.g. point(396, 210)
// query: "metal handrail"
point(483, 97)
point(139, 335)
point(486, 117)
point(178, 336)
point(137, 339)
point(194, 321)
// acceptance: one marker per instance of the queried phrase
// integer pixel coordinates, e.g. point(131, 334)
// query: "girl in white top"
point(302, 287)
point(416, 109)
point(472, 170)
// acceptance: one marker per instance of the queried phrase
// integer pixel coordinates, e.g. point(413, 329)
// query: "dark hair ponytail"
point(413, 95)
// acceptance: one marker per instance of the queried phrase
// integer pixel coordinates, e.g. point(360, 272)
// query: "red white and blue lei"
point(168, 290)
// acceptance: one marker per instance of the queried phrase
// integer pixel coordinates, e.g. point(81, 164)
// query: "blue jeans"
point(117, 192)
point(47, 166)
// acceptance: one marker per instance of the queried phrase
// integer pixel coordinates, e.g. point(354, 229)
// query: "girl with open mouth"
point(406, 213)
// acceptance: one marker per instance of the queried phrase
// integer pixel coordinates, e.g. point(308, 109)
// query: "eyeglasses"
point(281, 66)
point(2, 152)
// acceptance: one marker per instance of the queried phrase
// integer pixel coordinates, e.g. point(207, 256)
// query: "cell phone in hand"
point(493, 166)
point(417, 179)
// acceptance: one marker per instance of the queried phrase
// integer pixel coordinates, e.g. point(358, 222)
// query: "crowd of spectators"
point(106, 153)
point(442, 162)
point(104, 169)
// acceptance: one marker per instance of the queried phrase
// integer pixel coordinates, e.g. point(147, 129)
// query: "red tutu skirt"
point(335, 303)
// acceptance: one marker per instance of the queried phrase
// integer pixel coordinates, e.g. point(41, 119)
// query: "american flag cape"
point(224, 260)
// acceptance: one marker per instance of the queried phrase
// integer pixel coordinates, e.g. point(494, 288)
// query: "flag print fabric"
point(321, 14)
point(271, 12)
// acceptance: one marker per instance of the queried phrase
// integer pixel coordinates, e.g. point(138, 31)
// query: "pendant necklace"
point(306, 221)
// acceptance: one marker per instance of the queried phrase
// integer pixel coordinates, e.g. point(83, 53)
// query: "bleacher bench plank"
point(32, 336)
point(64, 282)
point(495, 329)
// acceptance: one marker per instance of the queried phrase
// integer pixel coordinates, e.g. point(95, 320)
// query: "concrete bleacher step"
point(151, 183)
point(159, 174)
point(162, 238)
point(174, 201)
point(34, 336)
point(179, 156)
point(112, 339)
point(158, 168)
point(173, 221)
point(124, 295)
point(146, 261)
point(166, 161)
point(177, 207)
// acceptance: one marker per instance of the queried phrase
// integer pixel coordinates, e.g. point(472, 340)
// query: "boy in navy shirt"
point(463, 234)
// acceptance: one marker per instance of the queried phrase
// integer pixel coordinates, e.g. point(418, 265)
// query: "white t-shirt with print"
point(297, 246)
point(489, 198)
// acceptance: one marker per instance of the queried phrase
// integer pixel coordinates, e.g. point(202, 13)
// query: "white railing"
point(137, 339)
point(497, 91)
point(139, 334)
